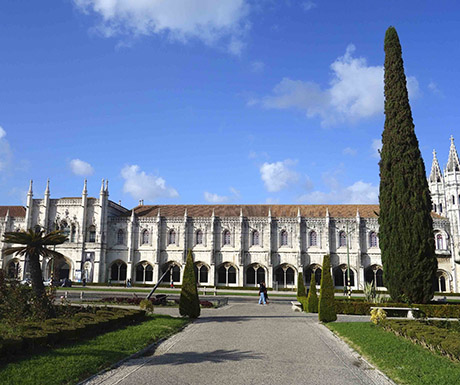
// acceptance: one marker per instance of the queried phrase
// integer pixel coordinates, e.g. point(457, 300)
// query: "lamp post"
point(347, 233)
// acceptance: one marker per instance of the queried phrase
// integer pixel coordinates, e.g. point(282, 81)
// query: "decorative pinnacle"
point(30, 188)
point(85, 187)
point(47, 190)
point(102, 186)
point(107, 186)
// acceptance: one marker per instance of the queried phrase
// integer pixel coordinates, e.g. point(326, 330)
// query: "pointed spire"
point(327, 212)
point(241, 211)
point(47, 190)
point(185, 213)
point(102, 186)
point(107, 186)
point(7, 216)
point(213, 213)
point(133, 216)
point(158, 215)
point(298, 211)
point(269, 211)
point(85, 188)
point(30, 188)
point(453, 163)
point(435, 174)
point(357, 213)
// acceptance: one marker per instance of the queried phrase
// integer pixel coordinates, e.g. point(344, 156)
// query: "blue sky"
point(204, 101)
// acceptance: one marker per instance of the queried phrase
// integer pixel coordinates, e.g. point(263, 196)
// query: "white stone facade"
point(232, 245)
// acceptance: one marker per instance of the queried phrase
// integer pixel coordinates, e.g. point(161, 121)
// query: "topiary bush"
point(301, 292)
point(146, 305)
point(312, 298)
point(326, 308)
point(189, 303)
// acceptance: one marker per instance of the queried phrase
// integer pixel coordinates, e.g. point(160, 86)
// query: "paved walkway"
point(246, 343)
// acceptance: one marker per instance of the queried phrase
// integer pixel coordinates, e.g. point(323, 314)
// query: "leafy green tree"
point(326, 308)
point(189, 303)
point(34, 244)
point(312, 298)
point(406, 227)
point(301, 292)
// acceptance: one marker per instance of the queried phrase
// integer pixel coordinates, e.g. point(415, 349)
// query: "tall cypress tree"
point(301, 292)
point(189, 302)
point(406, 226)
point(326, 307)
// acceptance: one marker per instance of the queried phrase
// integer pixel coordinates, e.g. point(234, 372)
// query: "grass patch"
point(70, 364)
point(400, 359)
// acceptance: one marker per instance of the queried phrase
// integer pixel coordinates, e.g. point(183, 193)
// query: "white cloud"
point(6, 155)
point(349, 151)
point(215, 198)
point(358, 193)
point(80, 167)
point(308, 5)
point(433, 87)
point(277, 176)
point(210, 21)
point(141, 185)
point(257, 66)
point(355, 92)
point(376, 147)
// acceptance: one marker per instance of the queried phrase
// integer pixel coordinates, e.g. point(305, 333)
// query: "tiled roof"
point(15, 211)
point(311, 211)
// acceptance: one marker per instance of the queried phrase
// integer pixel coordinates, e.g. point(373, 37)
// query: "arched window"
point(439, 242)
point(172, 237)
point(173, 274)
point(92, 234)
point(199, 237)
point(226, 274)
point(440, 282)
point(372, 239)
point(341, 276)
point(342, 239)
point(73, 233)
point(13, 270)
point(255, 274)
point(255, 238)
point(284, 238)
point(313, 269)
point(118, 271)
point(313, 240)
point(120, 237)
point(145, 237)
point(201, 273)
point(284, 275)
point(374, 275)
point(226, 237)
point(144, 272)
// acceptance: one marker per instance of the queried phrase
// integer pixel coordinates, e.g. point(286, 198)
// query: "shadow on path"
point(215, 356)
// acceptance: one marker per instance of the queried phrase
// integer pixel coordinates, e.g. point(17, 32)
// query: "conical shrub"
point(312, 298)
point(189, 303)
point(326, 308)
point(301, 292)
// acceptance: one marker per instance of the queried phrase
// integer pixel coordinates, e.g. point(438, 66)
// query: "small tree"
point(301, 292)
point(326, 308)
point(312, 298)
point(189, 303)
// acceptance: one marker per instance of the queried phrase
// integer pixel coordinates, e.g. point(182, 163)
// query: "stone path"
point(246, 343)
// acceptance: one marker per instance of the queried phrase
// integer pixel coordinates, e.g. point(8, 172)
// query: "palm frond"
point(15, 250)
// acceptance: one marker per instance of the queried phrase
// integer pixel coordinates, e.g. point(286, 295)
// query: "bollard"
point(204, 291)
point(81, 295)
point(215, 291)
point(66, 294)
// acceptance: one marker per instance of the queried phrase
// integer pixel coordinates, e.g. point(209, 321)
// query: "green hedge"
point(56, 331)
point(444, 340)
point(303, 300)
point(364, 308)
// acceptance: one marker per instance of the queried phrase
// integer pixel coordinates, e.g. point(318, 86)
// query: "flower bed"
point(82, 324)
point(442, 338)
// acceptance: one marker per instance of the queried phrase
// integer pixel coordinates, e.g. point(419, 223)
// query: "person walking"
point(262, 291)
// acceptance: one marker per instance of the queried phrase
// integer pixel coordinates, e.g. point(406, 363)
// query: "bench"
point(296, 306)
point(410, 310)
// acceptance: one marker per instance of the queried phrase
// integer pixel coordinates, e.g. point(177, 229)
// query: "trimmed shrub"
point(326, 308)
point(301, 292)
point(189, 303)
point(147, 305)
point(312, 298)
point(303, 302)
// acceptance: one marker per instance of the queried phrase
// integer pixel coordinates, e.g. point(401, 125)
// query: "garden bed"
point(77, 324)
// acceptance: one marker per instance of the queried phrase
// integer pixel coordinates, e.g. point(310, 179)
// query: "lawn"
point(71, 364)
point(400, 359)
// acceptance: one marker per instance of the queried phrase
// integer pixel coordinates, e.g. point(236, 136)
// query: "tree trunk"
point(36, 275)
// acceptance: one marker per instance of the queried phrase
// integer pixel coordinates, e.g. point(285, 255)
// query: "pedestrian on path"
point(262, 291)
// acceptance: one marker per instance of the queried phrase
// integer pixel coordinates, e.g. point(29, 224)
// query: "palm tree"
point(34, 245)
